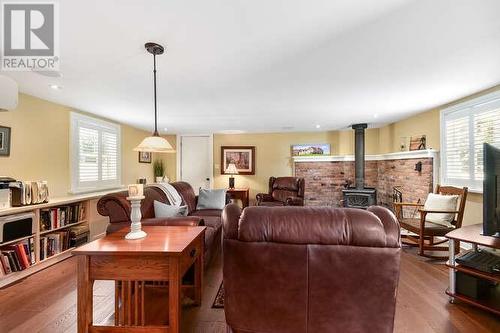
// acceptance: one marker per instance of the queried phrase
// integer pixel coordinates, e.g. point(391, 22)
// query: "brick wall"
point(325, 180)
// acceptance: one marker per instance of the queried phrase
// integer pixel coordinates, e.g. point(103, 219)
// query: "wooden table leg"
point(174, 296)
point(198, 277)
point(84, 298)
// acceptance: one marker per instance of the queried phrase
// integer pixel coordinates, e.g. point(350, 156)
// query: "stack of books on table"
point(17, 257)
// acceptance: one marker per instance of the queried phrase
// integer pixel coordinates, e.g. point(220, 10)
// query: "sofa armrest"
point(294, 201)
point(115, 206)
point(261, 197)
point(230, 218)
point(191, 221)
point(390, 223)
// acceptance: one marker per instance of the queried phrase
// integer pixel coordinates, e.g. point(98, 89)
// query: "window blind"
point(95, 154)
point(464, 129)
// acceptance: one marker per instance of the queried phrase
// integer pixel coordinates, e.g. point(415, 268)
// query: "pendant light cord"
point(156, 110)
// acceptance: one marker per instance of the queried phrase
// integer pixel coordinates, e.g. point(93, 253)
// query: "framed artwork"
point(311, 149)
point(145, 157)
point(4, 141)
point(242, 156)
point(418, 143)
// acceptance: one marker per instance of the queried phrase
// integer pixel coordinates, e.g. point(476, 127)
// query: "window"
point(464, 129)
point(95, 154)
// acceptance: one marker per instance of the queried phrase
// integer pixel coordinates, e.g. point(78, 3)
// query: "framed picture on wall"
point(311, 149)
point(4, 141)
point(242, 156)
point(145, 157)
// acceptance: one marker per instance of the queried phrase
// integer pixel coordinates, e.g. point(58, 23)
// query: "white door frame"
point(210, 155)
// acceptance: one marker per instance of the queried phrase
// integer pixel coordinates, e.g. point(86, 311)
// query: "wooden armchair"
point(426, 231)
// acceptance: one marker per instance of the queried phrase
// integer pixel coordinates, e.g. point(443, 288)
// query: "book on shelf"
point(60, 241)
point(5, 263)
point(17, 257)
point(57, 217)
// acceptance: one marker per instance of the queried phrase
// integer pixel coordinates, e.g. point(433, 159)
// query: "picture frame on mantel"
point(5, 141)
point(418, 143)
point(242, 156)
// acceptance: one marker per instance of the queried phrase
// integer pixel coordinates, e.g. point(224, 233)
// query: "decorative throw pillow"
point(444, 203)
point(166, 210)
point(211, 199)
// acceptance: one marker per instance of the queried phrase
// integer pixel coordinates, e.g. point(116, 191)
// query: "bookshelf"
point(87, 203)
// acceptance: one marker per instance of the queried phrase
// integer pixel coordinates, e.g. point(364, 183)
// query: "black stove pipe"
point(359, 154)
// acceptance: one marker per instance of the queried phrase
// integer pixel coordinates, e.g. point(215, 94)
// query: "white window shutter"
point(457, 159)
point(88, 154)
point(486, 129)
point(109, 157)
point(95, 154)
point(464, 129)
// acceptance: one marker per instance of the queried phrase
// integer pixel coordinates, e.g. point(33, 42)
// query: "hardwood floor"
point(46, 302)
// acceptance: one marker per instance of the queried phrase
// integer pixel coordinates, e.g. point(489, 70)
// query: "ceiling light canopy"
point(155, 143)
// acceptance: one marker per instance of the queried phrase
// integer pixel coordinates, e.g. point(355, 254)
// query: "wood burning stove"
point(359, 196)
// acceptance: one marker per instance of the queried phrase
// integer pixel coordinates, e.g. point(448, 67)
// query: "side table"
point(163, 256)
point(240, 193)
point(471, 234)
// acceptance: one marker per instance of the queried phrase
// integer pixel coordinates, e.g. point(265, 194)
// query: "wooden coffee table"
point(162, 258)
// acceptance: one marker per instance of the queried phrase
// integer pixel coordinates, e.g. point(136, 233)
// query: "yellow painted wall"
point(428, 123)
point(425, 123)
point(38, 153)
point(273, 150)
point(273, 153)
point(40, 146)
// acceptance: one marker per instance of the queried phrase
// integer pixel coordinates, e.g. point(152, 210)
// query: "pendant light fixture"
point(155, 143)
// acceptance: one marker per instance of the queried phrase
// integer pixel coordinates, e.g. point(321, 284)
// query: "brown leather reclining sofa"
point(117, 207)
point(283, 191)
point(306, 269)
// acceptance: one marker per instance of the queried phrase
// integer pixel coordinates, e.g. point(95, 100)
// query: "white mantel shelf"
point(403, 155)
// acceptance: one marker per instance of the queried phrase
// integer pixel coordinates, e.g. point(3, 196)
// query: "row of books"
point(53, 218)
point(17, 257)
point(57, 242)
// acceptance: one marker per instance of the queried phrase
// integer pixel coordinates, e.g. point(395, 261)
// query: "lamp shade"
point(155, 144)
point(231, 169)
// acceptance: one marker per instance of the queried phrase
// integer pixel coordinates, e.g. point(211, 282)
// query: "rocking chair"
point(425, 231)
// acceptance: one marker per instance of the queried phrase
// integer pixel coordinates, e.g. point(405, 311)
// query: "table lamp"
point(231, 170)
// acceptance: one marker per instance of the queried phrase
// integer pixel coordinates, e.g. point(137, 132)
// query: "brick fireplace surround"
point(325, 176)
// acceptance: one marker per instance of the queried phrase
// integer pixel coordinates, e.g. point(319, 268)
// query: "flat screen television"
point(491, 191)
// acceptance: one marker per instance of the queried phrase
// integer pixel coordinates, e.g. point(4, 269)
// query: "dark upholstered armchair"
point(310, 269)
point(283, 191)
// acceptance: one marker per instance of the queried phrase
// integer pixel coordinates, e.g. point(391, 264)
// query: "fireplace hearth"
point(354, 198)
point(359, 196)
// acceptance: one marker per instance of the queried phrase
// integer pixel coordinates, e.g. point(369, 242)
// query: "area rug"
point(219, 299)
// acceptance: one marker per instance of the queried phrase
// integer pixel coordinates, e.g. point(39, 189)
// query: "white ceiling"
point(262, 66)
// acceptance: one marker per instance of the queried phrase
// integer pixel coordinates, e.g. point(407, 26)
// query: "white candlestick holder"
point(135, 218)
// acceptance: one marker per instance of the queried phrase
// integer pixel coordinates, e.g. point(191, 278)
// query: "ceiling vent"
point(8, 93)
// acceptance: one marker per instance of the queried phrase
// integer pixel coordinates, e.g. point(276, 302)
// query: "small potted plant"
point(159, 170)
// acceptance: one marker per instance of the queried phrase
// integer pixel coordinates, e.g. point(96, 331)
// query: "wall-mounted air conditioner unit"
point(8, 93)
